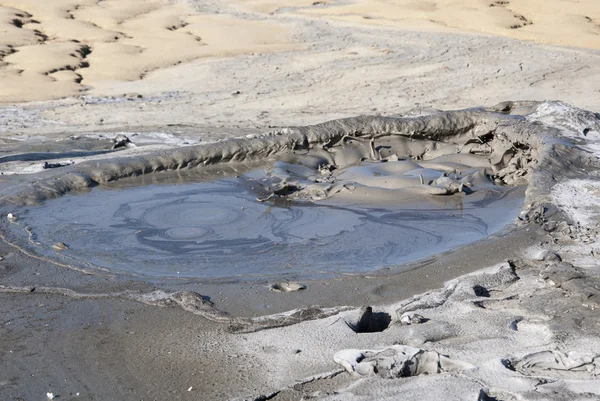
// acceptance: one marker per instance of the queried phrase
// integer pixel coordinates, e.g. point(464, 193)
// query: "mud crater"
point(345, 197)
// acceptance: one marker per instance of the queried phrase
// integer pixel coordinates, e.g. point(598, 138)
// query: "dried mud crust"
point(192, 302)
point(524, 336)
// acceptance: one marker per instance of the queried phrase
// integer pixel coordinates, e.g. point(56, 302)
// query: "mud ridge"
point(516, 146)
point(193, 302)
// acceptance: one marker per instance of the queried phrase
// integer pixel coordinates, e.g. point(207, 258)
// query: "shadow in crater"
point(371, 322)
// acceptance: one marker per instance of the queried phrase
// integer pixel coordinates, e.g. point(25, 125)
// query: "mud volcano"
point(347, 196)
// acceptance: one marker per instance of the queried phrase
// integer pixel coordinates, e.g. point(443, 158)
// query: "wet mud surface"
point(218, 229)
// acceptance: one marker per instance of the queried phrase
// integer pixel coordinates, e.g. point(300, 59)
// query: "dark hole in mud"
point(481, 291)
point(484, 396)
point(507, 363)
point(371, 322)
point(514, 325)
point(266, 397)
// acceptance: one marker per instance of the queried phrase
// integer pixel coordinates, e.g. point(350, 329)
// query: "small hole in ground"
point(507, 363)
point(484, 396)
point(481, 291)
point(371, 322)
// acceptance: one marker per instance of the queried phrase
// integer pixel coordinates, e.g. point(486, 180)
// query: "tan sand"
point(558, 22)
point(55, 49)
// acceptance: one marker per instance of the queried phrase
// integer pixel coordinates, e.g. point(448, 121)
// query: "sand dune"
point(60, 48)
point(56, 49)
point(558, 22)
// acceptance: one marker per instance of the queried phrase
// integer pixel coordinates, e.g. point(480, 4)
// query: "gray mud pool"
point(218, 229)
point(351, 196)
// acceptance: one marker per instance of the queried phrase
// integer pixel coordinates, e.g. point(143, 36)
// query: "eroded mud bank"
point(499, 145)
point(507, 145)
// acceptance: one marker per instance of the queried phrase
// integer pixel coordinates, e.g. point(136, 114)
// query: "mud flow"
point(349, 205)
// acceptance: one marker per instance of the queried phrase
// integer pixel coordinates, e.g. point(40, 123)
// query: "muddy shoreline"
point(240, 298)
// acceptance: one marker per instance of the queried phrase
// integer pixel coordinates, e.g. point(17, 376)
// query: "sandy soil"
point(63, 48)
point(70, 47)
point(170, 73)
point(554, 22)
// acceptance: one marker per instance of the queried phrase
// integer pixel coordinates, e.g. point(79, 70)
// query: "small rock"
point(191, 388)
point(547, 256)
point(11, 217)
point(50, 396)
point(57, 165)
point(559, 273)
point(60, 246)
point(409, 318)
point(121, 141)
point(132, 96)
point(550, 226)
point(286, 287)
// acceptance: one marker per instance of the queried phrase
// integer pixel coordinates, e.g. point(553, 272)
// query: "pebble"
point(409, 318)
point(286, 287)
point(60, 246)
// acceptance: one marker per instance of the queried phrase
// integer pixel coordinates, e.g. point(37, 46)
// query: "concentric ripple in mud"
point(219, 230)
